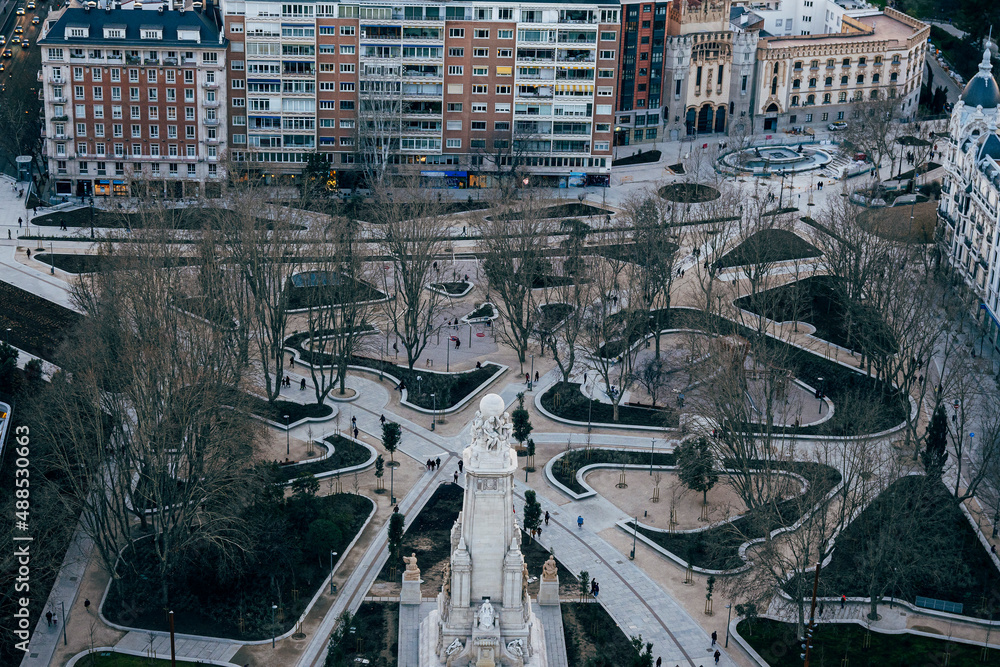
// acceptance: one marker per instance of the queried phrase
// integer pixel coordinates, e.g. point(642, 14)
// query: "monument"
point(483, 616)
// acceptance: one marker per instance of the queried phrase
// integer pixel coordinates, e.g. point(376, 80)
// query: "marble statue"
point(454, 647)
point(486, 615)
point(516, 647)
point(549, 569)
point(412, 572)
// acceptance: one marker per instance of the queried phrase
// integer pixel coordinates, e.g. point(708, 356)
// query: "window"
point(480, 33)
point(346, 30)
point(99, 130)
point(81, 129)
point(809, 118)
point(605, 74)
point(480, 89)
point(134, 112)
point(98, 93)
point(346, 86)
point(455, 70)
point(456, 88)
point(825, 117)
point(456, 53)
point(453, 143)
point(484, 14)
point(610, 55)
point(347, 68)
point(480, 71)
point(862, 61)
point(842, 97)
point(188, 113)
point(843, 80)
point(502, 126)
point(505, 34)
point(796, 84)
point(453, 125)
point(346, 105)
point(861, 79)
point(875, 77)
point(153, 94)
point(80, 111)
point(347, 50)
point(608, 36)
point(846, 62)
point(456, 33)
point(239, 84)
point(236, 65)
point(454, 106)
point(503, 90)
point(154, 131)
point(826, 99)
point(116, 93)
point(505, 14)
point(505, 53)
point(479, 125)
point(480, 53)
point(480, 108)
point(603, 109)
point(840, 115)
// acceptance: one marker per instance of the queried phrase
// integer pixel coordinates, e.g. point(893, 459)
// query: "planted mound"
point(175, 218)
point(552, 315)
point(452, 288)
point(913, 540)
point(219, 597)
point(429, 536)
point(564, 399)
point(276, 411)
point(818, 301)
point(320, 289)
point(688, 193)
point(593, 638)
point(36, 325)
point(718, 548)
point(851, 643)
point(93, 263)
point(639, 158)
point(768, 246)
point(564, 470)
point(483, 311)
point(346, 454)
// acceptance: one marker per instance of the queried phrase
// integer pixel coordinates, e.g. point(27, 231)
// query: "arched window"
point(771, 108)
point(875, 77)
point(796, 83)
point(811, 99)
point(874, 94)
point(812, 83)
point(828, 81)
point(774, 85)
point(795, 100)
point(775, 68)
point(826, 98)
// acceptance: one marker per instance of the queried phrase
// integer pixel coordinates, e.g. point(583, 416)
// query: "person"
point(48, 618)
point(659, 662)
point(354, 421)
point(302, 385)
point(479, 365)
point(993, 549)
point(355, 432)
point(843, 601)
point(718, 654)
point(458, 343)
point(456, 477)
point(381, 419)
point(460, 464)
point(579, 522)
point(291, 361)
point(715, 637)
point(20, 221)
point(8, 235)
point(527, 378)
point(546, 517)
point(597, 588)
point(536, 376)
point(395, 510)
point(437, 462)
point(86, 604)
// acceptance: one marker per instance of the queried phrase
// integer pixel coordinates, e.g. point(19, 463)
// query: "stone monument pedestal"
point(410, 594)
point(548, 587)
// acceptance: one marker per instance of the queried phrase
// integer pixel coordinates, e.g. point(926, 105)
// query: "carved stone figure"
point(412, 572)
point(516, 647)
point(549, 569)
point(486, 615)
point(454, 647)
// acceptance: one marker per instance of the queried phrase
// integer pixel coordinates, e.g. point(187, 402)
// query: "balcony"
point(133, 60)
point(212, 141)
point(56, 79)
point(189, 61)
point(210, 104)
point(210, 122)
point(210, 85)
point(170, 61)
point(59, 100)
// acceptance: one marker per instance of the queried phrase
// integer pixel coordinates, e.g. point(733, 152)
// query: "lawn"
point(173, 218)
point(113, 659)
point(233, 600)
point(552, 316)
point(429, 537)
point(375, 638)
point(346, 454)
point(593, 638)
point(359, 210)
point(37, 326)
point(817, 301)
point(688, 193)
point(93, 263)
point(565, 469)
point(323, 288)
point(483, 311)
point(843, 643)
point(766, 247)
point(894, 224)
point(642, 157)
point(276, 411)
point(718, 548)
point(932, 531)
point(629, 252)
point(565, 400)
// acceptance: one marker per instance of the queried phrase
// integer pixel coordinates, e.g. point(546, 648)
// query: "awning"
point(574, 87)
point(505, 71)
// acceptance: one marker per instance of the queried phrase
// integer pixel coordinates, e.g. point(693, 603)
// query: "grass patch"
point(572, 210)
point(452, 288)
point(553, 315)
point(639, 158)
point(593, 638)
point(484, 311)
point(375, 639)
point(627, 251)
point(768, 246)
point(543, 282)
point(894, 224)
point(93, 263)
point(429, 537)
point(564, 399)
point(276, 411)
point(346, 454)
point(358, 209)
point(233, 600)
point(688, 193)
point(324, 288)
point(833, 643)
point(932, 533)
point(565, 470)
point(36, 325)
point(173, 218)
point(718, 548)
point(535, 556)
point(817, 301)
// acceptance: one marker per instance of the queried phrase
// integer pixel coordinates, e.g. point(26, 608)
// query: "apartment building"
point(135, 101)
point(452, 93)
point(806, 81)
point(969, 209)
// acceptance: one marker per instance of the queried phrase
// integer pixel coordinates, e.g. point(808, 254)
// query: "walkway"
point(198, 649)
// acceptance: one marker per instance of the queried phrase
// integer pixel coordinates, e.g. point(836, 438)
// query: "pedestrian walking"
point(86, 604)
point(579, 522)
point(291, 362)
point(8, 235)
point(381, 419)
point(718, 654)
point(437, 462)
point(546, 517)
point(356, 432)
point(19, 222)
point(659, 662)
point(527, 378)
point(597, 588)
point(395, 510)
point(460, 464)
point(536, 376)
point(715, 637)
point(456, 477)
point(302, 385)
point(354, 421)
point(843, 601)
point(48, 618)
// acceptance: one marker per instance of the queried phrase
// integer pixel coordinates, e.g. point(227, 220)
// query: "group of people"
point(433, 464)
point(287, 382)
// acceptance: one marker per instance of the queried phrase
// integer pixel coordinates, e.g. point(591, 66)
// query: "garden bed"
point(547, 281)
point(187, 219)
point(486, 311)
point(37, 326)
point(375, 640)
point(642, 157)
point(844, 643)
point(565, 400)
point(460, 288)
point(276, 411)
point(553, 315)
point(766, 247)
point(235, 601)
point(718, 548)
point(688, 193)
point(569, 463)
point(71, 263)
point(346, 454)
point(894, 223)
point(936, 552)
point(592, 635)
point(323, 288)
point(357, 209)
point(817, 301)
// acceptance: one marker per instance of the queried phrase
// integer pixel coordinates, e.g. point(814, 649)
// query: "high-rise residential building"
point(460, 95)
point(970, 194)
point(135, 101)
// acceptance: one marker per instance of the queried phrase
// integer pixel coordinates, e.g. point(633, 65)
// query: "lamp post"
point(618, 130)
point(434, 413)
point(52, 261)
point(590, 410)
point(288, 439)
point(273, 607)
point(447, 355)
point(62, 606)
point(392, 478)
point(332, 554)
point(635, 531)
point(729, 617)
point(420, 380)
point(8, 335)
point(652, 445)
point(531, 382)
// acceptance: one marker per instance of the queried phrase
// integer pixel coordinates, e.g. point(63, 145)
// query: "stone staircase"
point(836, 166)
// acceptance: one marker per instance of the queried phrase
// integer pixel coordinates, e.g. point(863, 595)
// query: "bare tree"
point(379, 121)
point(874, 125)
point(561, 337)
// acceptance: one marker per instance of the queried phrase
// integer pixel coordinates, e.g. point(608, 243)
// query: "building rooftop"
point(880, 27)
point(982, 91)
point(179, 28)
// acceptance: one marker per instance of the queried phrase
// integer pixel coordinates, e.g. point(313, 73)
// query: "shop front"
point(454, 180)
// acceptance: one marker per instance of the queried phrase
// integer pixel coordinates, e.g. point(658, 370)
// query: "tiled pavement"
point(410, 617)
point(555, 640)
point(201, 649)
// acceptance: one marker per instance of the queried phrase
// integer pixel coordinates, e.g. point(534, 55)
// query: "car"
point(16, 40)
point(19, 30)
point(35, 20)
point(2, 67)
point(3, 40)
point(8, 53)
point(836, 126)
point(25, 44)
point(31, 5)
point(20, 11)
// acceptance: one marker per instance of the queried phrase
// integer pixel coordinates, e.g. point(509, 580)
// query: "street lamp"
point(420, 379)
point(652, 444)
point(392, 479)
point(273, 607)
point(52, 260)
point(288, 439)
point(332, 554)
point(434, 413)
point(532, 376)
point(729, 616)
point(8, 335)
point(635, 531)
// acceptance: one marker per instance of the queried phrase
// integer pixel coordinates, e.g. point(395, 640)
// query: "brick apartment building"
point(134, 96)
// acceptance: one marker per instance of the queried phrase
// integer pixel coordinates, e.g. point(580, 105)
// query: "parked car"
point(836, 126)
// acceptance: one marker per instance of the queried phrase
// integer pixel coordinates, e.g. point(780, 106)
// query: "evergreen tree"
point(391, 433)
point(532, 512)
point(936, 448)
point(522, 422)
point(696, 466)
